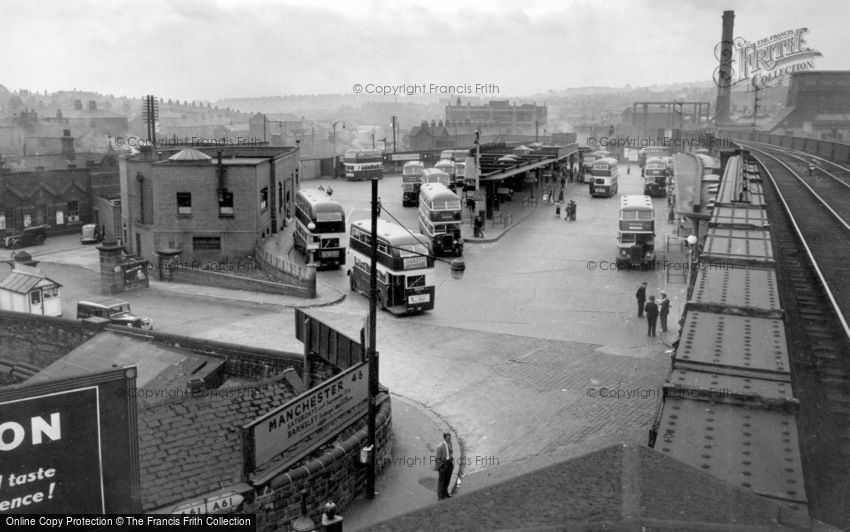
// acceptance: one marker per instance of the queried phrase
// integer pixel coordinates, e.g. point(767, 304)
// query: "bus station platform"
point(509, 215)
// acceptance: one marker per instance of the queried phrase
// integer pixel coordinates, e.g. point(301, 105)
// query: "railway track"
point(819, 212)
point(811, 239)
point(829, 181)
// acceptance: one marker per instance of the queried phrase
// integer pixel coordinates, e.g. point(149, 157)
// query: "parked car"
point(90, 234)
point(115, 310)
point(30, 236)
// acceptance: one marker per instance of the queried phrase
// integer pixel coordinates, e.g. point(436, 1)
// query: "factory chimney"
point(723, 74)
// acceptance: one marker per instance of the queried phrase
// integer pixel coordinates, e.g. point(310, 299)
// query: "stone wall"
point(38, 341)
point(302, 277)
point(336, 476)
point(235, 282)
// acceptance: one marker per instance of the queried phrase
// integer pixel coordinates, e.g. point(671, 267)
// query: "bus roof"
point(411, 164)
point(636, 202)
point(391, 232)
point(655, 159)
point(433, 191)
point(433, 172)
point(606, 160)
point(319, 200)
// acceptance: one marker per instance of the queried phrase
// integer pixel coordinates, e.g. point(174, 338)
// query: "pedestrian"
point(444, 464)
point(572, 210)
point(558, 210)
point(664, 310)
point(561, 196)
point(651, 310)
point(378, 207)
point(641, 298)
point(478, 227)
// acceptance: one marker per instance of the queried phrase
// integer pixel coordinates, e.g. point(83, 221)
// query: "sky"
point(213, 49)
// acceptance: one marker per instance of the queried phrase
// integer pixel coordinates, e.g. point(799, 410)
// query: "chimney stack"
point(723, 79)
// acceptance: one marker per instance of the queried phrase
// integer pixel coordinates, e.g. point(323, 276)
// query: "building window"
point(264, 198)
point(184, 203)
point(72, 213)
point(206, 243)
point(225, 203)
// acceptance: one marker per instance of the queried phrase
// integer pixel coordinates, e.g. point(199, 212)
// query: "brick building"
point(209, 203)
point(510, 119)
point(63, 198)
point(817, 106)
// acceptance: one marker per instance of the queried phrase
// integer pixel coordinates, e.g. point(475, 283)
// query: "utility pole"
point(394, 126)
point(151, 115)
point(755, 110)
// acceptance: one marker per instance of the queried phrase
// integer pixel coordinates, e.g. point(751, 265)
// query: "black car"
point(30, 236)
point(115, 310)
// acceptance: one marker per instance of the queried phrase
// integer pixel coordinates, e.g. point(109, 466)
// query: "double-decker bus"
point(636, 232)
point(649, 152)
point(448, 167)
point(362, 165)
point(455, 155)
point(605, 174)
point(411, 179)
point(405, 266)
point(655, 174)
point(440, 219)
point(324, 244)
point(434, 175)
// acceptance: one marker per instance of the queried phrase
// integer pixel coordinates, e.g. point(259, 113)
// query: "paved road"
point(517, 357)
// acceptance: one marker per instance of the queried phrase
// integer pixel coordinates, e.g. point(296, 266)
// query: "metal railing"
point(290, 268)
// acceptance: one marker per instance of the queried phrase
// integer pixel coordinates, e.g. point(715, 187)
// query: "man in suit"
point(651, 315)
point(641, 298)
point(664, 310)
point(444, 464)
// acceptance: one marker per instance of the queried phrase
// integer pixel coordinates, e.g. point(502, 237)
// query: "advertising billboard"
point(70, 446)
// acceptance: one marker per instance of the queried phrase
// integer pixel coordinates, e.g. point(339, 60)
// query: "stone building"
point(209, 203)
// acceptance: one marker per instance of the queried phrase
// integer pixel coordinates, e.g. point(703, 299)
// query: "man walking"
point(664, 310)
point(444, 464)
point(641, 298)
point(651, 316)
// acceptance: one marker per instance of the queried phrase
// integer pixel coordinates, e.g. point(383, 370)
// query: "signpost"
point(307, 421)
point(214, 504)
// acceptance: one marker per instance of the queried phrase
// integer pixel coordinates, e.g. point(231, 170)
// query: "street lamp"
point(334, 136)
point(458, 266)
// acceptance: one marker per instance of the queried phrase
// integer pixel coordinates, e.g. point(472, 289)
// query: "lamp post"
point(458, 266)
point(334, 137)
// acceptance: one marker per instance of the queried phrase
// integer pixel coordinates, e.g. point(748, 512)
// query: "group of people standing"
point(652, 309)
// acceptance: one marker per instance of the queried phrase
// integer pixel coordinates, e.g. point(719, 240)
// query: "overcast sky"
point(202, 49)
